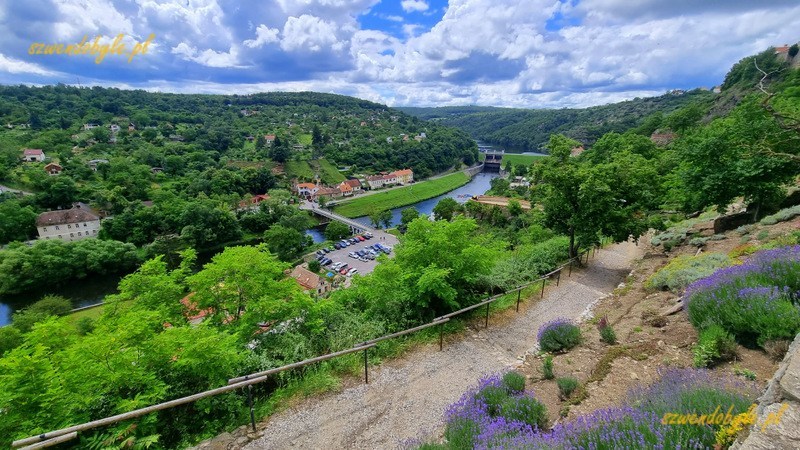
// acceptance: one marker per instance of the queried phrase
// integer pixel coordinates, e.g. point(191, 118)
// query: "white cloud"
point(414, 5)
point(11, 65)
point(310, 33)
point(264, 35)
point(208, 57)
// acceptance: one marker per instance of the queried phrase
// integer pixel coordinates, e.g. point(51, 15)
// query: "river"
point(479, 184)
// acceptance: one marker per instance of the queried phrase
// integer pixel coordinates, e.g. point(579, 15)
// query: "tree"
point(314, 266)
point(323, 201)
point(17, 223)
point(407, 215)
point(446, 208)
point(286, 242)
point(49, 305)
point(793, 50)
point(336, 230)
point(514, 207)
point(585, 201)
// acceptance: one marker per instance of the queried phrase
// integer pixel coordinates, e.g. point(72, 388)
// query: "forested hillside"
point(529, 130)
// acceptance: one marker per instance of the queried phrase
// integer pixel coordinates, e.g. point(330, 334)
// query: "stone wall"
point(780, 403)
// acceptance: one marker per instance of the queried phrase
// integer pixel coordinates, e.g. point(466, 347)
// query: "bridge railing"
point(247, 381)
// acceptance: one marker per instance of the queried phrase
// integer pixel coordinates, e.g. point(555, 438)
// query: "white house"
point(306, 190)
point(33, 155)
point(76, 223)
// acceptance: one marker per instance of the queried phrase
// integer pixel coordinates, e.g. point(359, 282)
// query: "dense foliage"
point(530, 130)
point(54, 262)
point(558, 335)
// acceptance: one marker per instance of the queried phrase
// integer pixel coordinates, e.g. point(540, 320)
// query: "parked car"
point(337, 246)
point(361, 238)
point(326, 250)
point(368, 235)
point(343, 271)
point(327, 262)
point(352, 272)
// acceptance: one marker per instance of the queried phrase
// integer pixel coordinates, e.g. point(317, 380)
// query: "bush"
point(607, 335)
point(714, 345)
point(566, 386)
point(684, 270)
point(782, 216)
point(314, 266)
point(698, 241)
point(755, 301)
point(514, 383)
point(526, 410)
point(557, 335)
point(547, 368)
point(669, 239)
point(85, 325)
point(10, 338)
point(492, 397)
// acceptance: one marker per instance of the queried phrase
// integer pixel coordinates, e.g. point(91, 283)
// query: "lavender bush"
point(557, 335)
point(757, 300)
point(637, 424)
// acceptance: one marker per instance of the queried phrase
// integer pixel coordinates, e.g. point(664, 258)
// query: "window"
point(72, 235)
point(84, 225)
point(44, 228)
point(94, 231)
point(79, 233)
point(57, 228)
point(69, 226)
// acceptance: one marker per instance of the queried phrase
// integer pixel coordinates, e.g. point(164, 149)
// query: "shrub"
point(669, 239)
point(526, 410)
point(314, 266)
point(714, 345)
point(756, 301)
point(10, 338)
point(557, 335)
point(782, 216)
point(742, 250)
point(85, 325)
point(746, 373)
point(566, 386)
point(514, 383)
point(547, 368)
point(762, 235)
point(683, 270)
point(492, 397)
point(745, 229)
point(608, 336)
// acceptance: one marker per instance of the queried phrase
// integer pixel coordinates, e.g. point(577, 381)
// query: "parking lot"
point(364, 267)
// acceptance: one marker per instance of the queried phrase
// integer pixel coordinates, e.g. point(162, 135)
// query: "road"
point(16, 191)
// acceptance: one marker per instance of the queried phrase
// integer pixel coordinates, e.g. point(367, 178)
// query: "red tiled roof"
point(306, 185)
point(402, 172)
point(353, 183)
point(305, 278)
point(32, 152)
point(53, 166)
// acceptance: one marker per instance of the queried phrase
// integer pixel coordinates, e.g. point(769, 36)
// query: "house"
point(404, 176)
point(253, 202)
point(89, 126)
point(131, 127)
point(327, 193)
point(114, 128)
point(375, 181)
point(156, 169)
point(250, 138)
point(345, 189)
point(577, 151)
point(269, 139)
point(78, 222)
point(519, 182)
point(306, 190)
point(33, 155)
point(53, 169)
point(176, 138)
point(95, 162)
point(355, 184)
point(310, 282)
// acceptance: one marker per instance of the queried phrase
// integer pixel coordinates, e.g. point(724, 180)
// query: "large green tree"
point(17, 222)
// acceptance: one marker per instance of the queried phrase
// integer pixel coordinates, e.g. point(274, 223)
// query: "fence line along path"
point(406, 398)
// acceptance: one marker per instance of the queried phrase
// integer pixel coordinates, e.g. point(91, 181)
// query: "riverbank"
point(395, 198)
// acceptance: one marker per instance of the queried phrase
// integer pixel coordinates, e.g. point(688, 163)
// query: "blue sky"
point(518, 53)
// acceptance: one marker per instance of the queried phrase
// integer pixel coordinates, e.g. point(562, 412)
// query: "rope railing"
point(247, 381)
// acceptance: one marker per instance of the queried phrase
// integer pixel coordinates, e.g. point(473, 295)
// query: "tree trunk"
point(572, 243)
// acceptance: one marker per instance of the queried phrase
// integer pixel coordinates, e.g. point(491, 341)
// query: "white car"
point(352, 272)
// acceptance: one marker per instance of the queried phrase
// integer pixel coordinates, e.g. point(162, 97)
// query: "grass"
point(330, 175)
point(408, 195)
point(304, 139)
point(518, 159)
point(299, 169)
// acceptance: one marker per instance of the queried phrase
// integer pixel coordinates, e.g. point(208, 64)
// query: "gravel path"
point(406, 398)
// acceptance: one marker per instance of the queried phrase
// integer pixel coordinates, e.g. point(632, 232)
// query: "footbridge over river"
point(355, 227)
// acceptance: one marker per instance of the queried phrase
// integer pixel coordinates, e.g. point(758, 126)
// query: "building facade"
point(73, 224)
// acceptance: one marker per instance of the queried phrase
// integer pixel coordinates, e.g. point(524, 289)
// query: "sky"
point(512, 53)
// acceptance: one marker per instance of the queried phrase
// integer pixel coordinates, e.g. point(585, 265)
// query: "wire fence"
point(247, 381)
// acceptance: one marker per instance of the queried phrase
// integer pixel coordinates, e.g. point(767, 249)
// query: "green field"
point(304, 139)
point(329, 174)
point(362, 206)
point(517, 159)
point(299, 169)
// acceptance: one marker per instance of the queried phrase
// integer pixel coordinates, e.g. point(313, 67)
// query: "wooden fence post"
point(519, 295)
point(366, 368)
point(250, 403)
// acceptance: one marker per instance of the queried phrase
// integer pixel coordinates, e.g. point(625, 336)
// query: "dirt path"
point(406, 398)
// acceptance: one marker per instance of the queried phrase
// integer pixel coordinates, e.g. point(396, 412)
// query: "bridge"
point(500, 201)
point(355, 227)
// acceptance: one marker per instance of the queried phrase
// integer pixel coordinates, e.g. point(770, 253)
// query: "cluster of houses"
point(347, 188)
point(37, 155)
